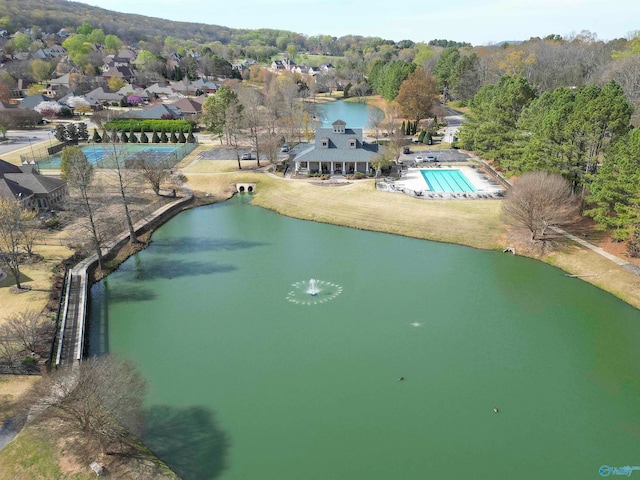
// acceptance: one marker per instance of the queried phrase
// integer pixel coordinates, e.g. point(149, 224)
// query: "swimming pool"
point(449, 181)
point(102, 155)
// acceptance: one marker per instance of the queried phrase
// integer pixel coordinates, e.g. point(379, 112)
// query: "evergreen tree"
point(155, 138)
point(105, 136)
point(403, 127)
point(143, 137)
point(114, 136)
point(132, 136)
point(163, 136)
point(190, 137)
point(96, 136)
point(173, 137)
point(83, 134)
point(181, 137)
point(124, 137)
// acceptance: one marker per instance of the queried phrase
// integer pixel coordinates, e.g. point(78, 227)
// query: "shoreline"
point(473, 223)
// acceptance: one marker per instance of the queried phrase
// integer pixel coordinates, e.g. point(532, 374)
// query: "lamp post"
point(33, 156)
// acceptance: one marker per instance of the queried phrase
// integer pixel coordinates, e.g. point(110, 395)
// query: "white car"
point(419, 159)
point(431, 158)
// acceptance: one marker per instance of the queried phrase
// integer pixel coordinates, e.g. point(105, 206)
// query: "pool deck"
point(412, 183)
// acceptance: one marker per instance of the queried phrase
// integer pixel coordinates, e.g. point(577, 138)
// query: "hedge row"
point(148, 125)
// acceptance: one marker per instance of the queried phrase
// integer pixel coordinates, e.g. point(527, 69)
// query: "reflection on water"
point(312, 393)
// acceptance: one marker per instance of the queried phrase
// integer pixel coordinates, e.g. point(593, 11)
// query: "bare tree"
point(100, 400)
point(376, 117)
point(153, 172)
point(14, 218)
point(251, 100)
point(125, 178)
point(539, 200)
point(29, 330)
point(79, 174)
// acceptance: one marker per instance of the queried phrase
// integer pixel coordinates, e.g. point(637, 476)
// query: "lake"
point(252, 377)
point(355, 114)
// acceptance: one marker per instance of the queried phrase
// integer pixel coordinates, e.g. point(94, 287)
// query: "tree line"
point(583, 134)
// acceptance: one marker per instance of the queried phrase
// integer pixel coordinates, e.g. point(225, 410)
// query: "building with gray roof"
point(25, 184)
point(337, 150)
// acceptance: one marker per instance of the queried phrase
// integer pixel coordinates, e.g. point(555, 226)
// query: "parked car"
point(284, 148)
point(406, 150)
point(431, 158)
point(419, 159)
point(245, 156)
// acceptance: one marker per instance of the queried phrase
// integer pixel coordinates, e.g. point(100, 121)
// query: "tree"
point(78, 172)
point(14, 220)
point(83, 133)
point(143, 137)
point(153, 172)
point(445, 67)
point(99, 400)
point(115, 84)
point(48, 109)
point(251, 100)
point(614, 196)
point(376, 117)
point(72, 131)
point(41, 70)
point(539, 200)
point(417, 94)
point(96, 136)
point(494, 112)
point(28, 330)
point(124, 181)
point(112, 43)
point(21, 42)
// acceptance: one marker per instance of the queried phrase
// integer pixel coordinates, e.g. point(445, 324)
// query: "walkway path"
point(623, 263)
point(72, 327)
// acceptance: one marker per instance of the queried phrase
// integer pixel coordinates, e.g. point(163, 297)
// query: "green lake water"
point(248, 381)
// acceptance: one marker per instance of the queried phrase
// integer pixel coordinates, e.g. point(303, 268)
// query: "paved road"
point(25, 139)
point(454, 121)
point(10, 429)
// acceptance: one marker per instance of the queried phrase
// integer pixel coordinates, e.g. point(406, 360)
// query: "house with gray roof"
point(25, 184)
point(104, 96)
point(158, 111)
point(32, 101)
point(337, 150)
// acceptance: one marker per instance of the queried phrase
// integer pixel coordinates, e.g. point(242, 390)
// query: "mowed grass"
point(32, 456)
point(37, 276)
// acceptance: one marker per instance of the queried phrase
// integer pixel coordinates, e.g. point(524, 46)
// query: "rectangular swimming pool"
point(449, 181)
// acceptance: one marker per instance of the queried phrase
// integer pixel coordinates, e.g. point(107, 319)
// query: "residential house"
point(277, 65)
point(188, 106)
point(92, 102)
point(337, 150)
point(184, 87)
point(158, 111)
point(206, 87)
point(288, 64)
point(133, 90)
point(158, 90)
point(32, 101)
point(104, 96)
point(125, 73)
point(24, 183)
point(59, 86)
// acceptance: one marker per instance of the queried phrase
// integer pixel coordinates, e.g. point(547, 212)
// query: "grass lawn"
point(37, 276)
